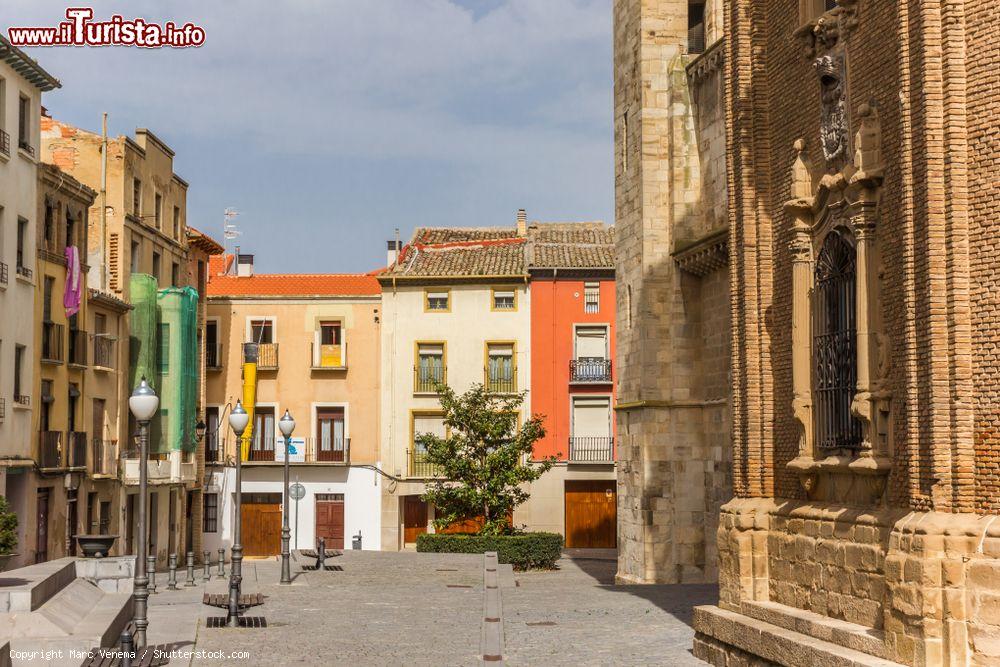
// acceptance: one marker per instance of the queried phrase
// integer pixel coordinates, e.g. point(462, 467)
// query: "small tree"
point(8, 528)
point(481, 458)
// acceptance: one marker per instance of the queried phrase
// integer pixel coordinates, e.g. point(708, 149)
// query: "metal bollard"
point(208, 566)
point(128, 649)
point(172, 569)
point(321, 554)
point(356, 542)
point(151, 572)
point(190, 569)
point(222, 564)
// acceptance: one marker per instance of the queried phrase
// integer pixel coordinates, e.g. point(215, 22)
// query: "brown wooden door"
point(414, 518)
point(261, 528)
point(591, 514)
point(330, 519)
point(42, 526)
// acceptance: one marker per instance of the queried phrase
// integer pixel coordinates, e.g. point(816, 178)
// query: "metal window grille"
point(834, 345)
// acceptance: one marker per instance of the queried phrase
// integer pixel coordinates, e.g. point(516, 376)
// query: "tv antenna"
point(229, 229)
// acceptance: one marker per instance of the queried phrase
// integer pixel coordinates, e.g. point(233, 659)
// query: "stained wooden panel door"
point(42, 526)
point(591, 514)
point(414, 518)
point(330, 519)
point(261, 527)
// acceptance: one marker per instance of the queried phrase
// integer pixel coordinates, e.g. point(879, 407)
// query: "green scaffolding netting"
point(164, 349)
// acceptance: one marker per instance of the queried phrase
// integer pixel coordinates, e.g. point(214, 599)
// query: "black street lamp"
point(238, 420)
point(286, 424)
point(143, 404)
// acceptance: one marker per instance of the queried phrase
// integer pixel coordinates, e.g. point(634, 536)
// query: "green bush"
point(8, 528)
point(525, 551)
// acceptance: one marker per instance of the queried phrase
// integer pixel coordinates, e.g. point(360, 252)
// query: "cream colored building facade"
point(22, 82)
point(440, 323)
point(318, 346)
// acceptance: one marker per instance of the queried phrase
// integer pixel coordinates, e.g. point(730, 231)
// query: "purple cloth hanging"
point(74, 287)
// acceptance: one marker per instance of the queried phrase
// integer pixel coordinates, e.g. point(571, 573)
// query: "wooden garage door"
point(591, 514)
point(414, 518)
point(330, 519)
point(261, 524)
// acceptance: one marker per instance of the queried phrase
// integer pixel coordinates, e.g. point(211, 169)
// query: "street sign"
point(297, 491)
point(296, 450)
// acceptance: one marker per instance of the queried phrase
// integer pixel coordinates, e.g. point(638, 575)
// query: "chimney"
point(393, 252)
point(244, 264)
point(522, 222)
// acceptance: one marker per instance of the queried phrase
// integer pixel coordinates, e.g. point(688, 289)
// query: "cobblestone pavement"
point(577, 616)
point(407, 608)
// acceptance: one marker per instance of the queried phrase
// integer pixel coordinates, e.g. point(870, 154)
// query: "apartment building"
point(316, 338)
point(139, 254)
point(456, 310)
point(22, 82)
point(572, 381)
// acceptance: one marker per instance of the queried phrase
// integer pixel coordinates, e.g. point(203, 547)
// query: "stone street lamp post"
point(286, 424)
point(238, 420)
point(143, 404)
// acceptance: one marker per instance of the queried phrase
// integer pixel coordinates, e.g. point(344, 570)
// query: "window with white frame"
point(591, 297)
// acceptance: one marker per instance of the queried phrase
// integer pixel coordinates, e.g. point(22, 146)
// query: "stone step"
point(28, 588)
point(719, 629)
point(843, 633)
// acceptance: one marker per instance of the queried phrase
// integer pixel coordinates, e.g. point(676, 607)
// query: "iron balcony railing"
point(26, 147)
point(5, 143)
point(328, 356)
point(417, 465)
point(50, 449)
point(22, 399)
point(3, 273)
point(267, 355)
point(78, 347)
point(77, 449)
point(696, 38)
point(103, 457)
point(503, 381)
point(333, 450)
point(104, 351)
point(427, 378)
point(213, 356)
point(21, 269)
point(3, 409)
point(52, 341)
point(589, 449)
point(261, 449)
point(590, 370)
point(212, 449)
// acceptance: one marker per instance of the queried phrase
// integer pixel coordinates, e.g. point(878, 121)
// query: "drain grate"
point(458, 586)
point(328, 568)
point(541, 624)
point(245, 622)
point(446, 569)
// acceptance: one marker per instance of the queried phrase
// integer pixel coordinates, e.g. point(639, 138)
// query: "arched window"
point(835, 357)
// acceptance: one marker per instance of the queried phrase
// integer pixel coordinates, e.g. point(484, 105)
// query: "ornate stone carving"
point(831, 71)
point(829, 30)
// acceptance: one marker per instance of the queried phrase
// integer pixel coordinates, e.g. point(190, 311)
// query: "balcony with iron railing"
point(5, 143)
point(502, 381)
point(50, 450)
point(316, 450)
point(25, 146)
point(3, 409)
point(213, 356)
point(104, 352)
point(52, 342)
point(77, 450)
point(266, 353)
point(417, 465)
point(4, 276)
point(331, 450)
point(24, 400)
point(590, 371)
point(20, 269)
point(588, 449)
point(696, 38)
point(329, 357)
point(104, 457)
point(77, 347)
point(427, 378)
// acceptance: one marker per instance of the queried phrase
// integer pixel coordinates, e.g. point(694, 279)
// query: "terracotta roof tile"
point(460, 234)
point(571, 245)
point(301, 284)
point(465, 258)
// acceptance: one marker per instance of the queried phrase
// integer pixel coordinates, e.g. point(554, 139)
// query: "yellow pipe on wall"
point(249, 404)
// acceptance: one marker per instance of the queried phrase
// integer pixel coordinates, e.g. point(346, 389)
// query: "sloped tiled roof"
point(588, 245)
point(462, 234)
point(504, 257)
point(295, 284)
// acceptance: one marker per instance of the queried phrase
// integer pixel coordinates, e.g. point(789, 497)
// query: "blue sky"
point(328, 123)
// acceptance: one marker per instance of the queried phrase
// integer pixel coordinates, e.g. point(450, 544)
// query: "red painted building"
point(572, 378)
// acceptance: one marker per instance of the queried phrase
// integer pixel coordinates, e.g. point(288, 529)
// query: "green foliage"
point(524, 551)
point(8, 528)
point(482, 458)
